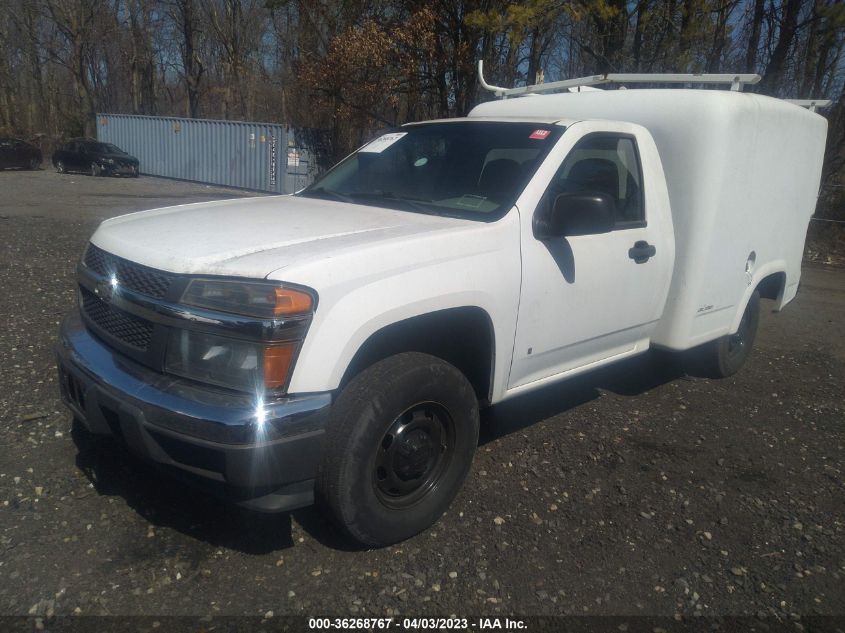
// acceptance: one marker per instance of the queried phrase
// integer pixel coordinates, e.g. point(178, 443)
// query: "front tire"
point(399, 445)
point(60, 167)
point(34, 164)
point(96, 170)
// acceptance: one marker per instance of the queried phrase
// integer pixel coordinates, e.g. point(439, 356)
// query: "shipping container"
point(258, 156)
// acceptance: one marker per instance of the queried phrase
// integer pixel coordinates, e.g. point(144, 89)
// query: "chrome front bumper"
point(261, 455)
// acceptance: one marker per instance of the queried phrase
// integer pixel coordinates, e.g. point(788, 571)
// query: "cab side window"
point(608, 164)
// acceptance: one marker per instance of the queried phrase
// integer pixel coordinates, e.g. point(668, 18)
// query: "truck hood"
point(253, 237)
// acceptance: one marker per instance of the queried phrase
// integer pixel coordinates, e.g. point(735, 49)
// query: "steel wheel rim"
point(413, 455)
point(737, 342)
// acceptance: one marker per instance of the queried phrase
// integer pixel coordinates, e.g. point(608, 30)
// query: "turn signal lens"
point(289, 301)
point(277, 362)
point(260, 299)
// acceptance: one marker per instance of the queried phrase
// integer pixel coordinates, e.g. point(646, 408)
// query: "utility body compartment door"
point(590, 299)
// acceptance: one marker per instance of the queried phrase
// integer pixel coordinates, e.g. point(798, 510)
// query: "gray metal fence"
point(260, 156)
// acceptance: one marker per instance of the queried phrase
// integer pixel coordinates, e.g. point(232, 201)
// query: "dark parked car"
point(95, 158)
point(17, 153)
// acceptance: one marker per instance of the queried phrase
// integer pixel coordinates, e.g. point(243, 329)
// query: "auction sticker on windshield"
point(383, 142)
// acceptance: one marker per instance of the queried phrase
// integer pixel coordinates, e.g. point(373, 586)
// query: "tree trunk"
point(754, 37)
point(720, 37)
point(637, 44)
point(771, 83)
point(187, 19)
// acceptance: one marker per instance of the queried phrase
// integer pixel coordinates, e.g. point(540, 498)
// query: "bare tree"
point(787, 26)
point(186, 21)
point(76, 23)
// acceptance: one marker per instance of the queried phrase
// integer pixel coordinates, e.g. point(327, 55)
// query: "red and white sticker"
point(539, 134)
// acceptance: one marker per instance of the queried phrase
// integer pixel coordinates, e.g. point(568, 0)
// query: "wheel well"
point(461, 336)
point(771, 287)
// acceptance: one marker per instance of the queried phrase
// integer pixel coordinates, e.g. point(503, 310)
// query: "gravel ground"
point(631, 491)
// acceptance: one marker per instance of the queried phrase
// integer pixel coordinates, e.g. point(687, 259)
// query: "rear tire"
point(399, 444)
point(726, 355)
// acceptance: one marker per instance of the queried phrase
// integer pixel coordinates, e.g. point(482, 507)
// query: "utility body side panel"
point(742, 171)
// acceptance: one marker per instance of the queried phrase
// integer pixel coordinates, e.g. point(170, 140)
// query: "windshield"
point(472, 169)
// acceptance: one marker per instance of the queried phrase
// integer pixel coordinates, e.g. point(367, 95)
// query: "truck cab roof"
point(540, 120)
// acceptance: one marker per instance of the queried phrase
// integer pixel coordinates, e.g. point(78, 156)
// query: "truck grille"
point(129, 329)
point(134, 276)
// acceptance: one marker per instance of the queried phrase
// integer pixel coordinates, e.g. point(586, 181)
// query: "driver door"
point(585, 299)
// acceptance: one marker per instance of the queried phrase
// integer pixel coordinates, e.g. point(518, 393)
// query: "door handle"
point(641, 252)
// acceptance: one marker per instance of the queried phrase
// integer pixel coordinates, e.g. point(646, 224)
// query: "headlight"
point(263, 300)
point(244, 365)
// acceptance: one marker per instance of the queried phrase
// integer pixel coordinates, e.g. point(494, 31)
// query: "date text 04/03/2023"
point(414, 624)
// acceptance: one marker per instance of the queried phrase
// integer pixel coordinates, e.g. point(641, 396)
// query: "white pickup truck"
point(336, 345)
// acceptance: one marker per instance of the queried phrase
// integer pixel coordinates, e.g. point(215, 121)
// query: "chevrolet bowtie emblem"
point(105, 290)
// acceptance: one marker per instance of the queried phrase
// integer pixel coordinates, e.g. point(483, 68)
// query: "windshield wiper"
point(416, 204)
point(322, 192)
point(420, 205)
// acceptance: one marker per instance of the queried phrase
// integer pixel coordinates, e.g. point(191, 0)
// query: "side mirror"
point(588, 213)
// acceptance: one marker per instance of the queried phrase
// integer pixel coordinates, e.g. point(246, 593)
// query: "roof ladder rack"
point(810, 104)
point(736, 81)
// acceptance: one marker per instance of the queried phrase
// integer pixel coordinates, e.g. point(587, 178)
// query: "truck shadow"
point(631, 377)
point(166, 502)
point(169, 503)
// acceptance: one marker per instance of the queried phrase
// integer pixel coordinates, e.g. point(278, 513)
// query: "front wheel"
point(34, 163)
point(96, 170)
point(399, 445)
point(60, 167)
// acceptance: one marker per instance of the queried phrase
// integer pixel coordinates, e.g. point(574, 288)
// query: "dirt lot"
point(632, 491)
